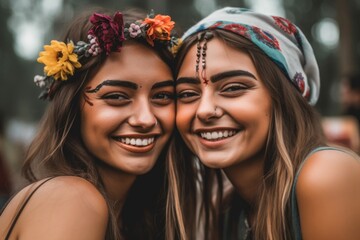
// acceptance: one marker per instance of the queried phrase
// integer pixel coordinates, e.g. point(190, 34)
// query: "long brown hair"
point(58, 149)
point(294, 131)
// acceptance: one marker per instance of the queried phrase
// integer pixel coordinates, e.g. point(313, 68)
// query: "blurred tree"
point(18, 95)
point(347, 47)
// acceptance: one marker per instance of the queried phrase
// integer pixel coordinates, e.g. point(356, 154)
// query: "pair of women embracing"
point(246, 160)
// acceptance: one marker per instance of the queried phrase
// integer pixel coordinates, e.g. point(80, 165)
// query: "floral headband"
point(106, 35)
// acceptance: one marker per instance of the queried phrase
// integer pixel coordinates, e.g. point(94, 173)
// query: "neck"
point(117, 185)
point(246, 178)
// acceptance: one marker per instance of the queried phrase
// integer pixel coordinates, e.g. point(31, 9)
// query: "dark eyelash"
point(182, 95)
point(114, 96)
point(168, 94)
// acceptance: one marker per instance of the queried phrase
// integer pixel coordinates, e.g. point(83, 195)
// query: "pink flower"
point(134, 30)
point(108, 32)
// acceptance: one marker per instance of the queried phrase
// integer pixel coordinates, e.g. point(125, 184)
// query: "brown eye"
point(164, 95)
point(116, 98)
point(235, 87)
point(163, 98)
point(187, 96)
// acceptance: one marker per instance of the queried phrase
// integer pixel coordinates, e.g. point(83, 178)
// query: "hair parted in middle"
point(294, 131)
point(59, 149)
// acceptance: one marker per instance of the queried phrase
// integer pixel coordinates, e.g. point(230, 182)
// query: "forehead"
point(219, 57)
point(135, 62)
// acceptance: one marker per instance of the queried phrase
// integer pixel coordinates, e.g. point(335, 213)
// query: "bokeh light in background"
point(30, 26)
point(327, 32)
point(273, 7)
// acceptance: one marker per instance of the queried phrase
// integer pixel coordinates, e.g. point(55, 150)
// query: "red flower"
point(237, 28)
point(285, 25)
point(108, 32)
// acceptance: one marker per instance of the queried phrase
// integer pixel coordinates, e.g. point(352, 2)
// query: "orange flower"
point(159, 28)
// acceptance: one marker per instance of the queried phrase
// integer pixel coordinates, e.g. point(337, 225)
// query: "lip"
point(136, 149)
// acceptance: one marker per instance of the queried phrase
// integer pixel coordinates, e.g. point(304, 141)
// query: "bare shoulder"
point(65, 207)
point(328, 194)
point(78, 189)
point(329, 168)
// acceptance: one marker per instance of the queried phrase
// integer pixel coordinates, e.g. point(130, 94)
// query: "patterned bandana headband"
point(106, 35)
point(277, 37)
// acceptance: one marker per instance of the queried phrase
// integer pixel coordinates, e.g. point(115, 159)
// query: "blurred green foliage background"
point(331, 27)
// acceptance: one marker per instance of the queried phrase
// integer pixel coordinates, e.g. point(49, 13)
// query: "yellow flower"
point(176, 46)
point(59, 60)
point(159, 27)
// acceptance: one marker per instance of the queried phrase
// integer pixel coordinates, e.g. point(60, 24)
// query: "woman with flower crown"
point(250, 160)
point(97, 163)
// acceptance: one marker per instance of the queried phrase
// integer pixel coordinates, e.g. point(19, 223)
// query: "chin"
point(141, 168)
point(216, 160)
point(211, 162)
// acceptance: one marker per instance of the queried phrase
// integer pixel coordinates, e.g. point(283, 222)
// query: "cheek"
point(184, 116)
point(167, 118)
point(95, 120)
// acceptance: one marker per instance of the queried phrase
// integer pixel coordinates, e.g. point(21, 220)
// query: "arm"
point(64, 208)
point(328, 193)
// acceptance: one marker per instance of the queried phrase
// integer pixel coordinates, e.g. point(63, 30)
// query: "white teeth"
point(137, 141)
point(217, 135)
point(208, 135)
point(214, 135)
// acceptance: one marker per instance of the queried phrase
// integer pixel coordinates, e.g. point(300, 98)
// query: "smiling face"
point(128, 111)
point(224, 122)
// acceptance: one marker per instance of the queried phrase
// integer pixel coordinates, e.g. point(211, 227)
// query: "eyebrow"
point(216, 77)
point(120, 83)
point(234, 73)
point(163, 84)
point(187, 80)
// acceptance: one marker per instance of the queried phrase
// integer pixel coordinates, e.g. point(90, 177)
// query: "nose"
point(207, 109)
point(142, 116)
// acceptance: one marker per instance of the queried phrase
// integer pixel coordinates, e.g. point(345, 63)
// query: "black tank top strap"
point(15, 219)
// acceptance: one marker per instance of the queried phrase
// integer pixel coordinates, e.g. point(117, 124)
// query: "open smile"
point(217, 135)
point(139, 142)
point(136, 144)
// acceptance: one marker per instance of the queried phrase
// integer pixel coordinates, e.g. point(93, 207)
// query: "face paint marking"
point(120, 83)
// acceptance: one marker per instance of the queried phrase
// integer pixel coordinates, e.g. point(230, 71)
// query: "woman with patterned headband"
point(245, 85)
point(97, 164)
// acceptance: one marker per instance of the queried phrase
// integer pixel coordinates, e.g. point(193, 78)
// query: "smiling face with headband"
point(232, 93)
point(246, 83)
point(110, 115)
point(126, 115)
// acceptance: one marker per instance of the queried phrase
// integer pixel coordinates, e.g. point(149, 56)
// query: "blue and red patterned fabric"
point(281, 41)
